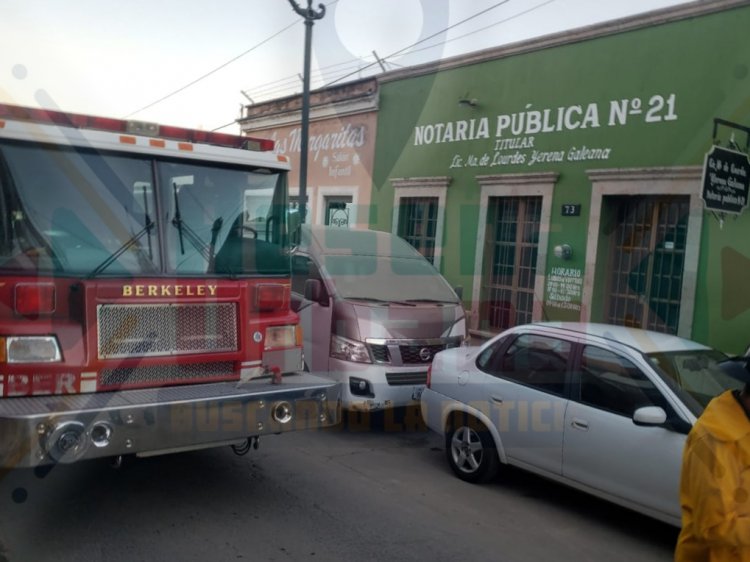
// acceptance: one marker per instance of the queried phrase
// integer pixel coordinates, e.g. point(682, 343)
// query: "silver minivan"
point(373, 312)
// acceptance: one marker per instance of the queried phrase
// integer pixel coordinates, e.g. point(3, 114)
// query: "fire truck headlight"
point(281, 337)
point(32, 349)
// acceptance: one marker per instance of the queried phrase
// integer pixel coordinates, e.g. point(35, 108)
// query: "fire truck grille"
point(164, 374)
point(166, 329)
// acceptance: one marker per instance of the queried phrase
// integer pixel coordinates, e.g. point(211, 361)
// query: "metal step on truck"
point(144, 292)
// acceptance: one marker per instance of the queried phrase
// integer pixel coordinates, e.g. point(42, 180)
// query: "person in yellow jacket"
point(715, 480)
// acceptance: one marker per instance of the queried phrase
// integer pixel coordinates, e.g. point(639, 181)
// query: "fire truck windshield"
point(225, 220)
point(78, 212)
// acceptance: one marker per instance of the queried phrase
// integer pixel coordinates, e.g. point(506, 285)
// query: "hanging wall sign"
point(726, 180)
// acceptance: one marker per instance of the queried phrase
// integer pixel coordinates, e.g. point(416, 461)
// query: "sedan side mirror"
point(649, 415)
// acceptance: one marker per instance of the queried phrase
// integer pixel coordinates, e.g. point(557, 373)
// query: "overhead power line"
point(278, 85)
point(215, 70)
point(486, 27)
point(282, 84)
point(425, 39)
point(207, 74)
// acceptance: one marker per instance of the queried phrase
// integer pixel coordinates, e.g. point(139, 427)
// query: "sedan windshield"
point(695, 375)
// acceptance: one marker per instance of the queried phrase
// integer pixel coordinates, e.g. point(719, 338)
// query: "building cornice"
point(525, 178)
point(351, 98)
point(427, 181)
point(636, 174)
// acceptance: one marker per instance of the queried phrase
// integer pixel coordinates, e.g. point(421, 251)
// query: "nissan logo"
point(425, 354)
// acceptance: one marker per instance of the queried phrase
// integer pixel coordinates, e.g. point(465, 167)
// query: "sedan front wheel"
point(470, 450)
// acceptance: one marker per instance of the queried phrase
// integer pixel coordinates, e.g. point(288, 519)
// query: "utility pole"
point(310, 16)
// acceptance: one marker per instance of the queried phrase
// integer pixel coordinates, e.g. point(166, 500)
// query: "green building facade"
point(562, 178)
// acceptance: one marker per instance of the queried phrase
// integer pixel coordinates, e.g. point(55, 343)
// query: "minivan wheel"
point(470, 450)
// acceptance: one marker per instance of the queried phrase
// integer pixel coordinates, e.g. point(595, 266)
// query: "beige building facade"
point(341, 146)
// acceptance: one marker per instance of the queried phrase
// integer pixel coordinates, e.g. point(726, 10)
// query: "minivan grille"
point(403, 379)
point(165, 329)
point(419, 353)
point(409, 352)
point(380, 353)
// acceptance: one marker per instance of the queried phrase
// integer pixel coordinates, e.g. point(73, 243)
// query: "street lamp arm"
point(308, 13)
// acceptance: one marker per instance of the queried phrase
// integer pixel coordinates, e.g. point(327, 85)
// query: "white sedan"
point(605, 409)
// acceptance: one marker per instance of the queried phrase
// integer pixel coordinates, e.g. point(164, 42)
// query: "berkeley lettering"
point(168, 290)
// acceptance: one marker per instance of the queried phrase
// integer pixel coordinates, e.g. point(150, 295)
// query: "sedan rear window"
point(537, 361)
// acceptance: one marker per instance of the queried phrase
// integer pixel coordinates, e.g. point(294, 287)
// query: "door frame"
point(683, 180)
point(513, 185)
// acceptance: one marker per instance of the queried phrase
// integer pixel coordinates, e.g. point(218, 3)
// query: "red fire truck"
point(144, 292)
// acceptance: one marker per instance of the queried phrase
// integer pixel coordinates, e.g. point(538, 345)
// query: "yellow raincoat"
point(715, 486)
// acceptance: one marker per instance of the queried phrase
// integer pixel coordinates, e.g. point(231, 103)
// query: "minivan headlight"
point(458, 330)
point(349, 350)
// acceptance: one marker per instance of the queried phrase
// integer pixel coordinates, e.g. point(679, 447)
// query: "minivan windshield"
point(389, 279)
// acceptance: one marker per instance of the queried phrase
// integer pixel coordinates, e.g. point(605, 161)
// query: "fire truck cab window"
point(76, 212)
point(87, 213)
point(224, 220)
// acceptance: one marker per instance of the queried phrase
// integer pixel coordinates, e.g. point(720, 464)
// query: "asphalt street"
point(368, 490)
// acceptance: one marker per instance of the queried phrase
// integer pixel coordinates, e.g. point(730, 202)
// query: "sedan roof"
point(645, 341)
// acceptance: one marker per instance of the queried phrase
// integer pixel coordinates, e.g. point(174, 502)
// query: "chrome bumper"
point(50, 429)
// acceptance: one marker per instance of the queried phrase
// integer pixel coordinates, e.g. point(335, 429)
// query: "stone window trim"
point(679, 180)
point(432, 186)
point(513, 185)
point(337, 191)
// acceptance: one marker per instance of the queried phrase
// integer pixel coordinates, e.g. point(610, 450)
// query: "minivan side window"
point(613, 383)
point(537, 361)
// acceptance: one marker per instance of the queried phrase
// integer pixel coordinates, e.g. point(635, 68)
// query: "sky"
point(196, 63)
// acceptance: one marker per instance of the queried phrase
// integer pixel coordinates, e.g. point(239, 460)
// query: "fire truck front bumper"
point(61, 429)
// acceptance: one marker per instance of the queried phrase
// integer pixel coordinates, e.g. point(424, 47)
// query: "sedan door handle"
point(578, 423)
point(497, 399)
